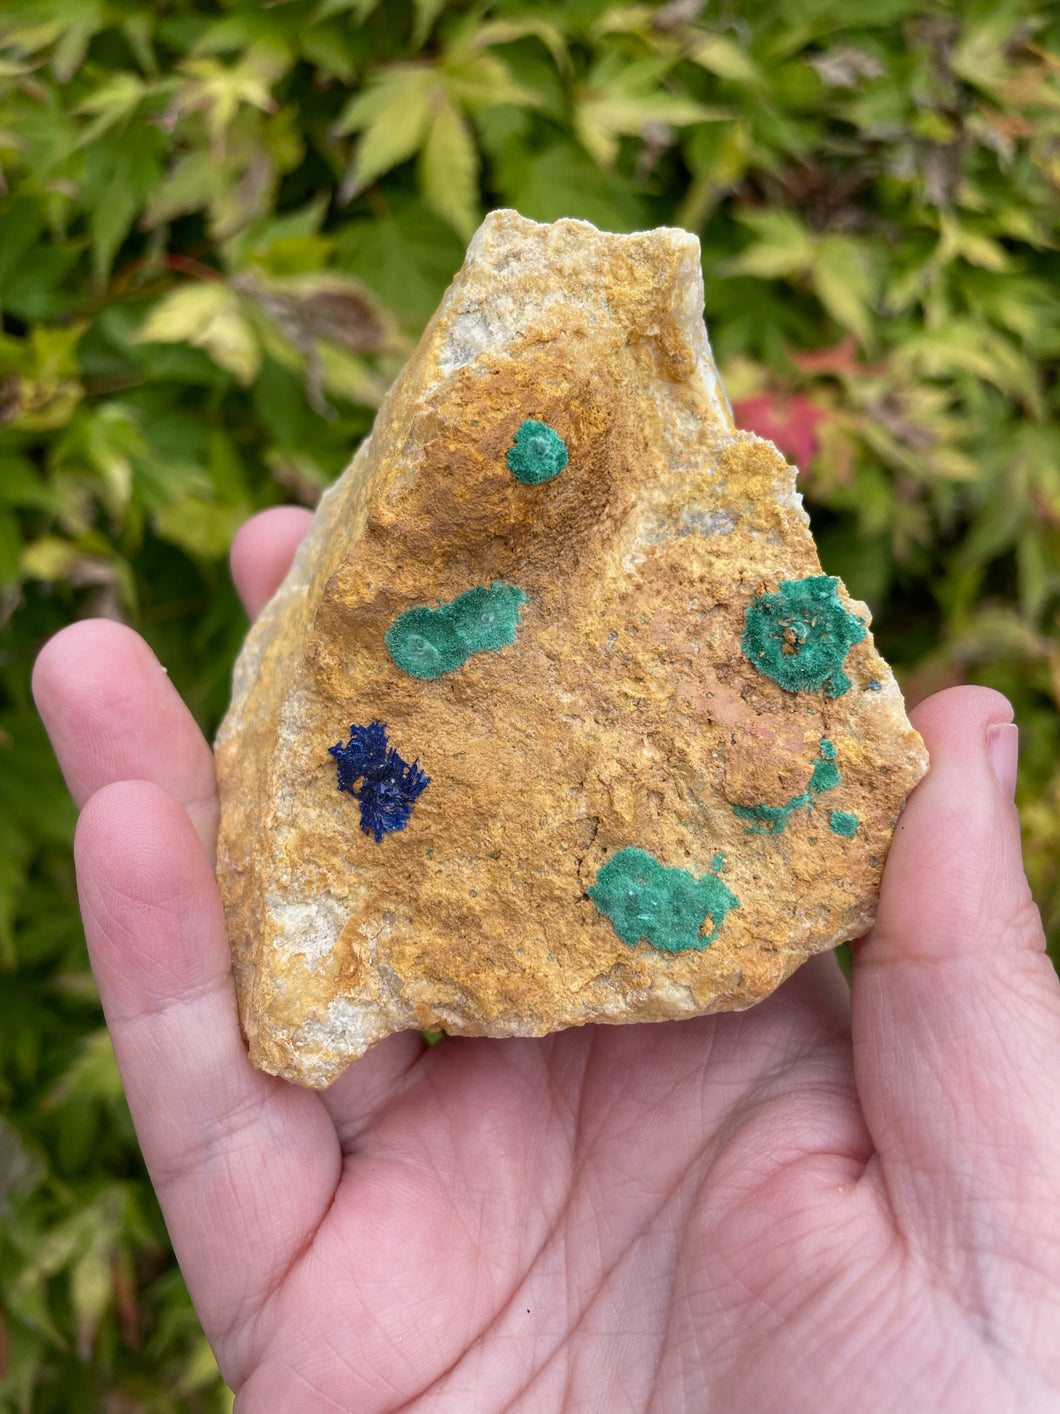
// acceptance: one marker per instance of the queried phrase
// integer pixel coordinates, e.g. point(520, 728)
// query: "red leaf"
point(788, 422)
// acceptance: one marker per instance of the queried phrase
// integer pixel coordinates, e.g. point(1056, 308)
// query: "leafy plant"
point(222, 226)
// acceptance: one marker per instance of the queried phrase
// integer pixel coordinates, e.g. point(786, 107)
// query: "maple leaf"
point(787, 422)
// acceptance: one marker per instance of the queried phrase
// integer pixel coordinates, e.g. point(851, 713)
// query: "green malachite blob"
point(770, 819)
point(825, 777)
point(486, 619)
point(426, 643)
point(423, 643)
point(843, 823)
point(665, 907)
point(773, 819)
point(800, 635)
point(538, 453)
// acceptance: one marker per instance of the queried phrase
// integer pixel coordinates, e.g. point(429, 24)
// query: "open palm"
point(843, 1200)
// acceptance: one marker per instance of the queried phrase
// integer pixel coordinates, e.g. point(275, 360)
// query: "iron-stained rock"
point(556, 718)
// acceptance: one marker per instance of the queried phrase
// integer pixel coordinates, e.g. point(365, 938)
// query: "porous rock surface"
point(640, 707)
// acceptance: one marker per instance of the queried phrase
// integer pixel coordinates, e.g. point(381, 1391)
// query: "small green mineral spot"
point(800, 635)
point(773, 819)
point(426, 643)
point(538, 453)
point(843, 823)
point(665, 907)
point(825, 777)
point(423, 643)
point(486, 619)
point(768, 819)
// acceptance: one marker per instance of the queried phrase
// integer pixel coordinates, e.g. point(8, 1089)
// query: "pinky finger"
point(262, 553)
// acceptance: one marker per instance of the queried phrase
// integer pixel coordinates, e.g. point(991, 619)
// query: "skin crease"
point(843, 1200)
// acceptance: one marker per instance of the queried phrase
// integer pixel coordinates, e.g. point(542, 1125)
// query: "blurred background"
point(222, 228)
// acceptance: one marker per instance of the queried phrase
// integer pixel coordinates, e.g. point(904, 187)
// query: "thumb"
point(956, 1007)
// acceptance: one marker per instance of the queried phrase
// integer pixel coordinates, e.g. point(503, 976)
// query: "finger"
point(262, 553)
point(113, 715)
point(956, 1008)
point(245, 1165)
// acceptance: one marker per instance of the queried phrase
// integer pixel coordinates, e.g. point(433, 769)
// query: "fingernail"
point(1003, 748)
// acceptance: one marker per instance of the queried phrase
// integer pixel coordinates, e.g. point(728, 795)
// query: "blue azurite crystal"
point(389, 786)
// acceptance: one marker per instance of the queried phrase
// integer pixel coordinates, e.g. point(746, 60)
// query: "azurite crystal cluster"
point(385, 786)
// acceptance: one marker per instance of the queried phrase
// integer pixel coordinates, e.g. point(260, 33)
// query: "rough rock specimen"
point(556, 718)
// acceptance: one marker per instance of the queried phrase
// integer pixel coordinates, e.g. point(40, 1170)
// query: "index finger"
point(113, 715)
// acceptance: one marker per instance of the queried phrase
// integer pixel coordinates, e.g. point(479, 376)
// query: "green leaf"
point(204, 529)
point(622, 100)
point(10, 549)
point(980, 54)
point(360, 9)
point(958, 240)
point(219, 91)
point(845, 284)
point(348, 376)
point(208, 316)
point(623, 19)
point(1038, 574)
point(113, 102)
point(562, 180)
point(22, 485)
point(506, 31)
point(14, 859)
point(329, 51)
point(393, 115)
point(962, 346)
point(782, 248)
point(723, 56)
point(448, 170)
point(68, 25)
point(478, 81)
point(121, 171)
point(91, 1075)
point(407, 256)
point(194, 182)
point(104, 440)
point(427, 11)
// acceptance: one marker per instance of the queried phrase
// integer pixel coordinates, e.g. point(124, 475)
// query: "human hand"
point(839, 1201)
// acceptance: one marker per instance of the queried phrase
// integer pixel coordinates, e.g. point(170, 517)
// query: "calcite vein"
point(645, 757)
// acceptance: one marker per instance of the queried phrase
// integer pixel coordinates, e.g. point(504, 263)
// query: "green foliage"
point(222, 225)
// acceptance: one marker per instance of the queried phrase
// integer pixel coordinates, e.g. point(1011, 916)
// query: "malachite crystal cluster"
point(667, 908)
point(427, 643)
point(773, 819)
point(800, 635)
point(538, 453)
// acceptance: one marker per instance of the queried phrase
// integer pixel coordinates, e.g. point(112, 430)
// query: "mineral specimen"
point(664, 758)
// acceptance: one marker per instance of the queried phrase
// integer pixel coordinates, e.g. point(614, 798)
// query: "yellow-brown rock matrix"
point(628, 714)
